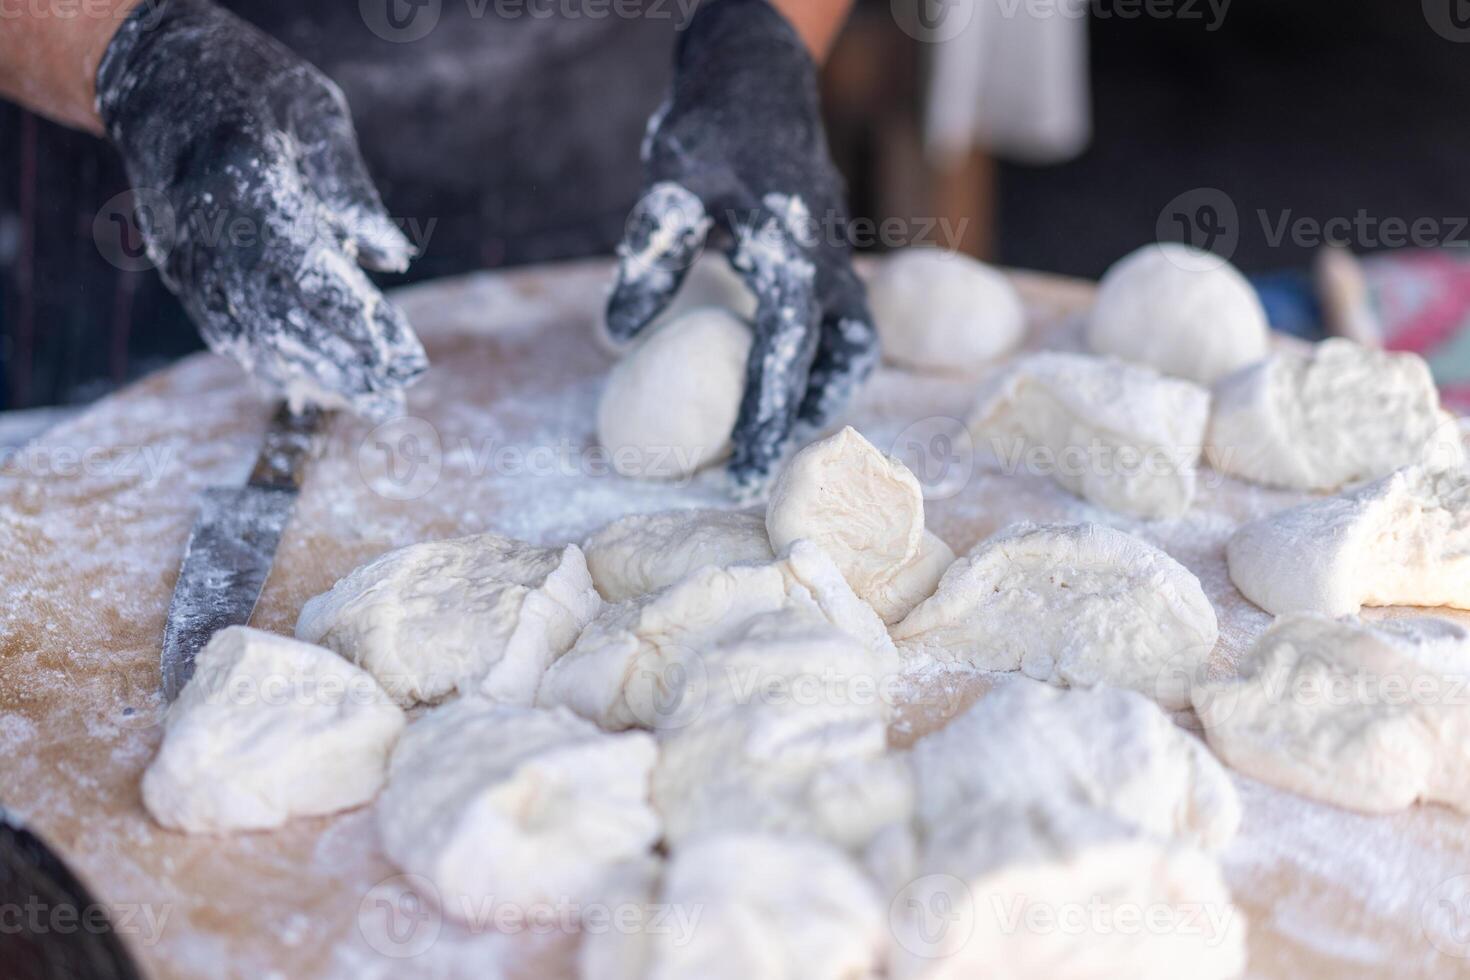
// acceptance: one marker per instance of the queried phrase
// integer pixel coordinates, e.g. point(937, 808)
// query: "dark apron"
point(506, 134)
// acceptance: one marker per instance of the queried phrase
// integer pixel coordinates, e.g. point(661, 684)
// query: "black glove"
point(265, 207)
point(739, 150)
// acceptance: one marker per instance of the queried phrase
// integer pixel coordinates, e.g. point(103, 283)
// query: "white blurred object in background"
point(1013, 81)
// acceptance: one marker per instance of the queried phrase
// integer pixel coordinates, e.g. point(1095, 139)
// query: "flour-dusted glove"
point(738, 150)
point(263, 205)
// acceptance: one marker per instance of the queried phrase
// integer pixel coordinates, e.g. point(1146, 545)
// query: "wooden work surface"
point(93, 520)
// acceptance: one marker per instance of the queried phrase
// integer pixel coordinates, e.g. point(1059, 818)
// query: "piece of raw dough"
point(770, 908)
point(985, 880)
point(640, 663)
point(1368, 716)
point(1070, 604)
point(866, 511)
point(508, 806)
point(670, 404)
point(1119, 435)
point(647, 552)
point(791, 738)
point(944, 312)
point(1402, 541)
point(476, 614)
point(1182, 311)
point(268, 729)
point(1113, 750)
point(1336, 414)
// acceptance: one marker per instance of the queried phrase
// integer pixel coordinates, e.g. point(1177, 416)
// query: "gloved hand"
point(269, 208)
point(738, 150)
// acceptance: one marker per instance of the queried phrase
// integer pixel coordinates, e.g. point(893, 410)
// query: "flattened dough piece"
point(268, 729)
point(1402, 541)
point(1369, 716)
point(866, 511)
point(646, 552)
point(1183, 311)
point(791, 738)
point(1337, 414)
point(1110, 749)
point(641, 663)
point(944, 312)
point(514, 805)
point(984, 878)
point(477, 614)
point(1070, 604)
point(1119, 435)
point(773, 908)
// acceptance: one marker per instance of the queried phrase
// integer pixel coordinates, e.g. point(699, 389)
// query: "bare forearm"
point(49, 51)
point(817, 21)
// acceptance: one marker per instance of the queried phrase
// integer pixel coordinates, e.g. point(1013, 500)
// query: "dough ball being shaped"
point(1368, 716)
point(1402, 541)
point(514, 805)
point(770, 907)
point(1075, 605)
point(646, 552)
point(866, 511)
point(645, 662)
point(944, 312)
point(267, 729)
point(995, 869)
point(1119, 435)
point(1336, 414)
point(476, 614)
point(670, 405)
point(1180, 310)
point(1112, 749)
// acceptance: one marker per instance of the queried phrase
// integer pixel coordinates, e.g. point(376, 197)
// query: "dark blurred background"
point(510, 143)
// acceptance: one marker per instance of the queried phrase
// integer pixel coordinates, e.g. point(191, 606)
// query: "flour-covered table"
point(93, 519)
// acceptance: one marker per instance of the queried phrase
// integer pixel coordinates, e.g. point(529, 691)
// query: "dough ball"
point(644, 662)
point(866, 511)
point(1367, 716)
point(477, 614)
point(1180, 310)
point(993, 869)
point(1116, 434)
point(944, 312)
point(1402, 541)
point(1073, 605)
point(646, 552)
point(670, 405)
point(770, 907)
point(1336, 414)
point(268, 729)
point(515, 806)
point(1112, 749)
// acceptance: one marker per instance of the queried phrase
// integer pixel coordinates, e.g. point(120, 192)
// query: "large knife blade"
point(233, 544)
